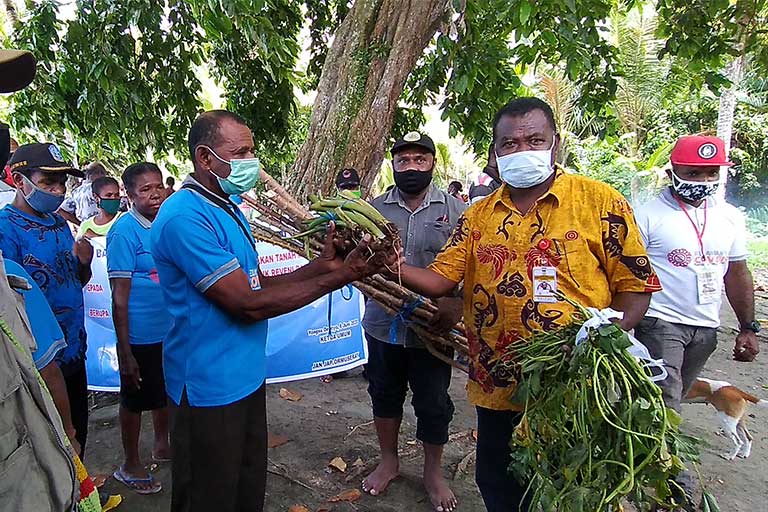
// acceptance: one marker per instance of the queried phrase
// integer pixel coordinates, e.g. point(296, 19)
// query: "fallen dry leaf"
point(358, 463)
point(348, 495)
point(338, 463)
point(98, 480)
point(275, 440)
point(291, 396)
point(298, 508)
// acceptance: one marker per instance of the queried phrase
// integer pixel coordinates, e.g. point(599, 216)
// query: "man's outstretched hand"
point(363, 262)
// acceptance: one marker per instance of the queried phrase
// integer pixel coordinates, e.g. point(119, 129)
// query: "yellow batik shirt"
point(583, 228)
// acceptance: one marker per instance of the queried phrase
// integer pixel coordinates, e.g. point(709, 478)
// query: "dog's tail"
point(752, 398)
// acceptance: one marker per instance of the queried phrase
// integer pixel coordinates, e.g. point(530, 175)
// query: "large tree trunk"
point(727, 104)
point(374, 50)
point(727, 111)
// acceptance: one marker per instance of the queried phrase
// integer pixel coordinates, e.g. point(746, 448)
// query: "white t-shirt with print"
point(675, 253)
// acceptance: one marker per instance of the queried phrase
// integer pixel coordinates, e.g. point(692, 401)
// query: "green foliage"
point(602, 160)
point(757, 221)
point(253, 49)
point(707, 34)
point(119, 80)
point(114, 81)
point(758, 253)
point(478, 70)
point(748, 183)
point(325, 17)
point(277, 155)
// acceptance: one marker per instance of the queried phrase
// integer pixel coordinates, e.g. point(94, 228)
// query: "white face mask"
point(526, 169)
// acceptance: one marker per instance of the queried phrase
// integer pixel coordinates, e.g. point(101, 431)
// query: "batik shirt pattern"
point(43, 246)
point(582, 228)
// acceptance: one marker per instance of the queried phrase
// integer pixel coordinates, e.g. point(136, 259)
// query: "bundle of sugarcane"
point(595, 430)
point(282, 221)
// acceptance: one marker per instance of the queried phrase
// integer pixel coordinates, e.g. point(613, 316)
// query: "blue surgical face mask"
point(40, 200)
point(526, 169)
point(243, 175)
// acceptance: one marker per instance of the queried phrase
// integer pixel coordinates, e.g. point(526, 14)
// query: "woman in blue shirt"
point(141, 323)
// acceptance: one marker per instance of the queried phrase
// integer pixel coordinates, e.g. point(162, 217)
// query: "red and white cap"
point(699, 150)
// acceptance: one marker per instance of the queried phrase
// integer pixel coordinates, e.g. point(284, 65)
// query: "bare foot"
point(161, 452)
point(377, 482)
point(441, 496)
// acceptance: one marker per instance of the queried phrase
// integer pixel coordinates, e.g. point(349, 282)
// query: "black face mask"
point(413, 181)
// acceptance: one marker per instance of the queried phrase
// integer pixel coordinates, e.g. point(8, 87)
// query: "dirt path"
point(334, 420)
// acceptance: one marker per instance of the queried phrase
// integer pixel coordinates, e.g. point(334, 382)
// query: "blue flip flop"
point(133, 483)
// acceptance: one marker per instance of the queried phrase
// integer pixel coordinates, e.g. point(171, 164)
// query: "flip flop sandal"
point(134, 483)
point(159, 459)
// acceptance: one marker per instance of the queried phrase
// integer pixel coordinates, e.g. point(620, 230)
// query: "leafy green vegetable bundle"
point(595, 430)
point(353, 218)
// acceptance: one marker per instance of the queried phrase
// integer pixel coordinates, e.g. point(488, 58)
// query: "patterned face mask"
point(694, 190)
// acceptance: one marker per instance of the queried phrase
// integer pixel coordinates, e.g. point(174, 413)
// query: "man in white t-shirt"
point(697, 244)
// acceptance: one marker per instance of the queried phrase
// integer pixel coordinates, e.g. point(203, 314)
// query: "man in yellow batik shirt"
point(544, 230)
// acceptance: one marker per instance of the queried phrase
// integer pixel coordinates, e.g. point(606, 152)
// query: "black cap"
point(17, 69)
point(348, 178)
point(44, 157)
point(414, 139)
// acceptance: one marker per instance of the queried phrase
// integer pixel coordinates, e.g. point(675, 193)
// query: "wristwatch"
point(753, 326)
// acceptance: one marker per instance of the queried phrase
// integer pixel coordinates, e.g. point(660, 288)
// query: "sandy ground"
point(334, 420)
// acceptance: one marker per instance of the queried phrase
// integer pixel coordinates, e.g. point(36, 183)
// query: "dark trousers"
point(501, 491)
point(392, 368)
point(77, 392)
point(219, 455)
point(684, 349)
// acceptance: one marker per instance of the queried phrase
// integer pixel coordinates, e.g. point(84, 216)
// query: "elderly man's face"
point(529, 132)
point(236, 143)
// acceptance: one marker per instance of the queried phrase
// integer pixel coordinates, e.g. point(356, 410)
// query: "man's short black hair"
point(521, 106)
point(133, 171)
point(205, 129)
point(99, 183)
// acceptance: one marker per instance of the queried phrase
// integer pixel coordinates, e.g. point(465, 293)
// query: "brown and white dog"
point(731, 405)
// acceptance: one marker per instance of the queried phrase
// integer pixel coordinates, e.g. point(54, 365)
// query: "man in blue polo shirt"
point(213, 355)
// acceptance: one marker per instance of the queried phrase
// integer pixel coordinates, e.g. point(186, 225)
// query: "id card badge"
point(708, 280)
point(544, 284)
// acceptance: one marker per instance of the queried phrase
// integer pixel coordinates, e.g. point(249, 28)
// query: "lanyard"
point(224, 205)
point(699, 234)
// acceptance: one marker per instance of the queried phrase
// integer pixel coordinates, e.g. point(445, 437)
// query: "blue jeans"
point(501, 491)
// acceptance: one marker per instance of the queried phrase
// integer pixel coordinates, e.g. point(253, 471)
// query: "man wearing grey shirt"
point(397, 357)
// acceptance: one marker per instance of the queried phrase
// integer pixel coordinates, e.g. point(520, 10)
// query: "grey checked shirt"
point(423, 232)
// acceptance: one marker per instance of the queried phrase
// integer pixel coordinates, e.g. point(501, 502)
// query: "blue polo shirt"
point(129, 256)
point(48, 335)
point(43, 246)
point(219, 359)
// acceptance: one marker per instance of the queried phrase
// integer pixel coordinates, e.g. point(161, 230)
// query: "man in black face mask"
point(397, 358)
